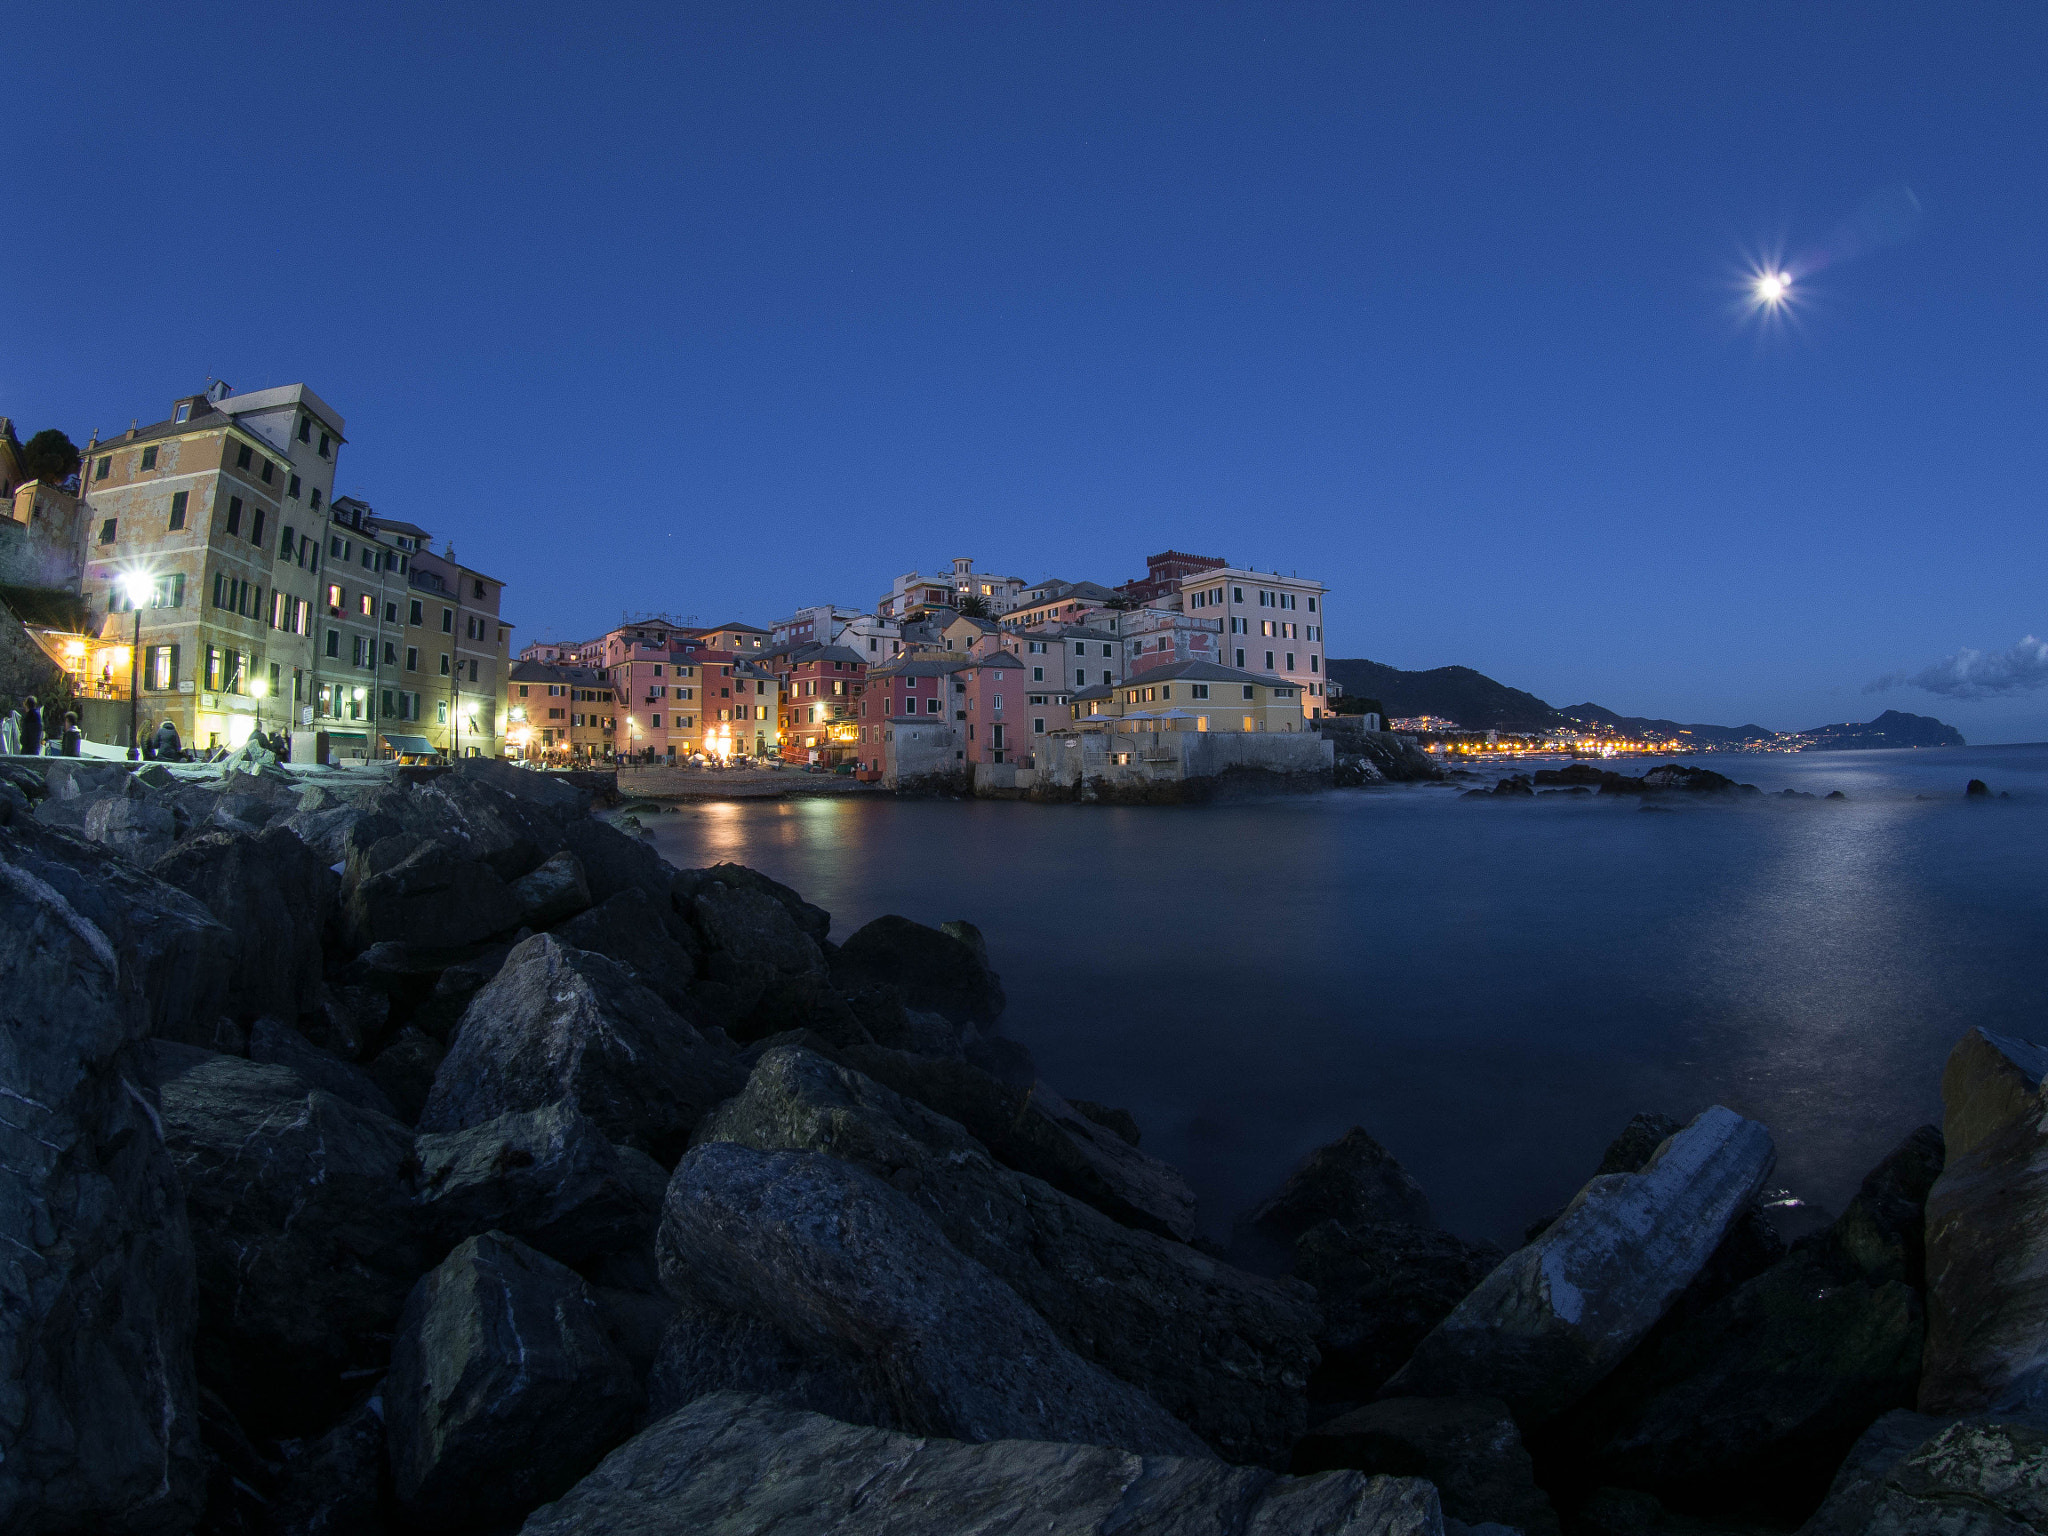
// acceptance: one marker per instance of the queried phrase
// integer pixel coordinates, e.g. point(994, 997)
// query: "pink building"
point(992, 710)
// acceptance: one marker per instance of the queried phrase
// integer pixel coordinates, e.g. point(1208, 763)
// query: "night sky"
point(723, 309)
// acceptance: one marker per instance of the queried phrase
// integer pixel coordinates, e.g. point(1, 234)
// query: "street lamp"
point(259, 686)
point(139, 587)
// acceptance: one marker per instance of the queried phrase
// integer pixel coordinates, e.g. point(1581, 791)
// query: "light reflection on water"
point(1491, 989)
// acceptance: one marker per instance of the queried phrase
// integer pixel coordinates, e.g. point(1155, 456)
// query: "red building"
point(821, 697)
point(1164, 574)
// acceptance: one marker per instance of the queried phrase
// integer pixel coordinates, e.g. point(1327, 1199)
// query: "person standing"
point(31, 727)
point(10, 729)
point(73, 736)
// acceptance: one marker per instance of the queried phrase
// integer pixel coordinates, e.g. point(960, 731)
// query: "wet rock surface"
point(847, 1267)
point(731, 1463)
point(1468, 1447)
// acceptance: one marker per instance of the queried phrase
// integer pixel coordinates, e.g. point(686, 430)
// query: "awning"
point(410, 746)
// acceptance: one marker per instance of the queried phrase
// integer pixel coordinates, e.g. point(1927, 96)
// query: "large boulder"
point(503, 1388)
point(548, 1177)
point(813, 921)
point(937, 972)
point(1225, 1352)
point(1558, 1315)
point(135, 825)
point(425, 891)
point(1987, 1234)
point(761, 973)
point(554, 890)
point(559, 797)
point(627, 927)
point(847, 1267)
point(99, 1421)
point(510, 832)
point(613, 862)
point(1467, 1446)
point(1353, 1180)
point(304, 1230)
point(560, 1025)
point(181, 954)
point(1912, 1475)
point(1767, 1388)
point(277, 1044)
point(733, 1463)
point(1033, 1130)
point(1382, 1289)
point(276, 895)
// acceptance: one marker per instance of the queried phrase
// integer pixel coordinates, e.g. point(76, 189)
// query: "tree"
point(972, 606)
point(50, 456)
point(1357, 704)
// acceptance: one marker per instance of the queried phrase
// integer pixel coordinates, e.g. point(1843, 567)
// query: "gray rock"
point(1987, 1236)
point(557, 796)
point(273, 892)
point(847, 1268)
point(279, 1045)
point(1769, 1387)
point(813, 921)
point(182, 955)
point(553, 891)
point(702, 1351)
point(1035, 1131)
point(628, 928)
point(1382, 1289)
point(937, 971)
point(303, 1228)
point(404, 1071)
point(614, 862)
point(1225, 1352)
point(329, 1484)
point(548, 1177)
point(137, 827)
point(732, 1465)
point(1120, 1123)
point(1353, 1180)
point(760, 973)
point(511, 833)
point(424, 891)
point(1558, 1315)
point(99, 1423)
point(561, 1025)
point(1966, 1479)
point(503, 1389)
point(1467, 1446)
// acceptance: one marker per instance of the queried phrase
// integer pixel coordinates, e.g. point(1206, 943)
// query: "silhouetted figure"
point(72, 737)
point(31, 727)
point(168, 746)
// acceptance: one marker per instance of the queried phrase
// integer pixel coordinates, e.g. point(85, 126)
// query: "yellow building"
point(1191, 696)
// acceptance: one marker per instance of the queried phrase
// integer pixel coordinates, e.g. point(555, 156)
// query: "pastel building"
point(1159, 637)
point(911, 718)
point(559, 714)
point(1271, 624)
point(1192, 696)
point(916, 589)
point(822, 691)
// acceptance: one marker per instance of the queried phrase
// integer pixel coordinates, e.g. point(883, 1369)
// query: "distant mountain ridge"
point(1479, 703)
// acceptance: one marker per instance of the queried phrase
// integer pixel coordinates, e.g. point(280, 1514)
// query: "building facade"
point(1271, 624)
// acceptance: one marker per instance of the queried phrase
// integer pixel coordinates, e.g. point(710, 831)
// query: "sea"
point(1490, 988)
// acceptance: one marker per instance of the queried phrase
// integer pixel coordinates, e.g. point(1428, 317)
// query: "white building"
point(915, 589)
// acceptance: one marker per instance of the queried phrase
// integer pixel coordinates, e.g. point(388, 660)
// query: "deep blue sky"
point(722, 309)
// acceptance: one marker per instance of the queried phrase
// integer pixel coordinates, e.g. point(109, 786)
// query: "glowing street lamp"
point(259, 686)
point(138, 587)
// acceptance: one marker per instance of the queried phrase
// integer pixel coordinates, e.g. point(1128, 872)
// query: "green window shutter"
point(174, 669)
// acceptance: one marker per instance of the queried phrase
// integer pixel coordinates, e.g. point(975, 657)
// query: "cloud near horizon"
point(1972, 674)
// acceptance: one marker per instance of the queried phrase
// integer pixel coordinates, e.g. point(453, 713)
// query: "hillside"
point(1642, 725)
point(1893, 728)
point(1471, 698)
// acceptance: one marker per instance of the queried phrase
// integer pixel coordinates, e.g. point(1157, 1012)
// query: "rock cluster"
point(435, 1157)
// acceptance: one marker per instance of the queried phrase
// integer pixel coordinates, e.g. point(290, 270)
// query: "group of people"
point(36, 729)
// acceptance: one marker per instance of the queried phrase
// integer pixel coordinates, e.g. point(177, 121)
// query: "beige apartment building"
point(1272, 624)
point(215, 512)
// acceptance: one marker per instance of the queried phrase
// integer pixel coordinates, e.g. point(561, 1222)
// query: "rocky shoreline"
point(433, 1157)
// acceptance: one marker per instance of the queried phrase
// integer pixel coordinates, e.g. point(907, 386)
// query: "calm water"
point(1491, 989)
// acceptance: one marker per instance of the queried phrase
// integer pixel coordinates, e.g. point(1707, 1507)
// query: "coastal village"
point(202, 570)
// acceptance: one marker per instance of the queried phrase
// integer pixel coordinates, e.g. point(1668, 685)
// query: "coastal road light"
point(139, 587)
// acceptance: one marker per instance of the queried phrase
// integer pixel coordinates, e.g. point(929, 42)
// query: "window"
point(292, 487)
point(99, 470)
point(931, 706)
point(324, 446)
point(1269, 661)
point(1311, 605)
point(178, 511)
point(1106, 679)
point(107, 531)
point(269, 472)
point(280, 609)
point(315, 503)
point(440, 711)
point(256, 528)
point(149, 458)
point(656, 719)
point(477, 589)
point(448, 624)
point(333, 601)
point(305, 429)
point(1038, 674)
point(160, 669)
point(1290, 661)
point(999, 701)
point(412, 660)
point(1247, 690)
point(357, 651)
point(444, 664)
point(212, 669)
point(1237, 594)
point(243, 456)
point(1314, 662)
point(472, 671)
point(415, 617)
point(334, 643)
point(391, 613)
point(368, 603)
point(1038, 725)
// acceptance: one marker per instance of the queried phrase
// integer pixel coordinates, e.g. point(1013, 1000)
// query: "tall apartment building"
point(218, 509)
point(1271, 624)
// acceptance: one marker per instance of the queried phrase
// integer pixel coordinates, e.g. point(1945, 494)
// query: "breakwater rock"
point(432, 1156)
